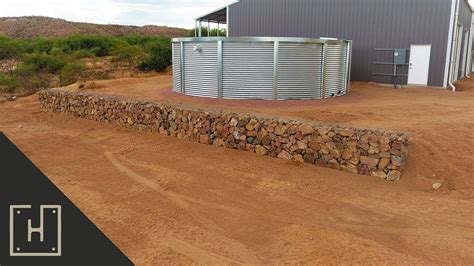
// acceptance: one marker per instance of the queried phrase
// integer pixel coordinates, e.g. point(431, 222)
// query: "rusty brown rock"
point(261, 150)
point(298, 158)
point(383, 163)
point(306, 129)
point(346, 132)
point(284, 155)
point(369, 161)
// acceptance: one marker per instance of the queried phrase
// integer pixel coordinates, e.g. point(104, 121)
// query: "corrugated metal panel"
point(465, 14)
point(336, 70)
point(177, 67)
point(247, 70)
point(261, 68)
point(299, 70)
point(369, 23)
point(200, 69)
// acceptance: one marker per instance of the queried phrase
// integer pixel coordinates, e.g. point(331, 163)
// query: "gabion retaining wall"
point(380, 153)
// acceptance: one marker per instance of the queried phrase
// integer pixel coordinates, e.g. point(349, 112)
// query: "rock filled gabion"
point(380, 153)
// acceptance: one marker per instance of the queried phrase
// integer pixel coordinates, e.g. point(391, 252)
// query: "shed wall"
point(369, 23)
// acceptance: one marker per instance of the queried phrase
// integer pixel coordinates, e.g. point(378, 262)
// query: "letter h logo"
point(26, 239)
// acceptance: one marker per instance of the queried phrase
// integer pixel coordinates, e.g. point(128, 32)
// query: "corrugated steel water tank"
point(261, 68)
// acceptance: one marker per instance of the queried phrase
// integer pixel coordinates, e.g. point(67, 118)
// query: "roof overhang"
point(217, 16)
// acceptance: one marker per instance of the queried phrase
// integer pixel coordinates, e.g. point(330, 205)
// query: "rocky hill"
point(31, 27)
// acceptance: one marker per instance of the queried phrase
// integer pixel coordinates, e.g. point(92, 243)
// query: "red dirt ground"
point(164, 200)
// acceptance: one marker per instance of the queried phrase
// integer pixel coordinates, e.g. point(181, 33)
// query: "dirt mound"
point(31, 27)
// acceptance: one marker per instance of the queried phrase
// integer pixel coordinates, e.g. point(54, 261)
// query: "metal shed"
point(436, 34)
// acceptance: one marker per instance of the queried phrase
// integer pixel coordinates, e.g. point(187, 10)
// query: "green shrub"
point(70, 73)
point(29, 79)
point(159, 58)
point(128, 53)
point(8, 83)
point(45, 63)
point(97, 45)
point(213, 32)
point(9, 49)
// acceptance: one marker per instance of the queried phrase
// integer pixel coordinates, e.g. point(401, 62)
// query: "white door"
point(419, 64)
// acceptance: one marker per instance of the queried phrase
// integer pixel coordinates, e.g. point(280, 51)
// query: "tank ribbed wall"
point(261, 68)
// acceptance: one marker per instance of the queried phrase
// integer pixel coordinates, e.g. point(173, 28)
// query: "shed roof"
point(217, 16)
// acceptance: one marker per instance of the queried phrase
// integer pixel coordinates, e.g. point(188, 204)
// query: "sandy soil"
point(164, 200)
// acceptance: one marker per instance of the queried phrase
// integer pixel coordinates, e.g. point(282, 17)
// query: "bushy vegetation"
point(33, 64)
point(213, 32)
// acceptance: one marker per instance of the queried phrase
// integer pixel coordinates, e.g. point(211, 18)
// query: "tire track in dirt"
point(194, 252)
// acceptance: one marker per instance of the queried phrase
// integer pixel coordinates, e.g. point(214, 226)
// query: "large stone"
point(335, 153)
point(233, 122)
point(394, 175)
point(346, 154)
point(397, 161)
point(284, 155)
point(259, 149)
point(437, 186)
point(334, 164)
point(294, 148)
point(369, 161)
point(314, 146)
point(346, 133)
point(281, 130)
point(251, 125)
point(308, 158)
point(373, 149)
point(362, 169)
point(298, 158)
point(301, 145)
point(292, 129)
point(383, 163)
point(379, 174)
point(306, 129)
point(267, 140)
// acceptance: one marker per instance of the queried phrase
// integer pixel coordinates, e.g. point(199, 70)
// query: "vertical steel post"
point(208, 28)
point(219, 69)
point(227, 21)
point(218, 30)
point(276, 48)
point(200, 28)
point(195, 28)
point(349, 66)
point(181, 65)
point(325, 57)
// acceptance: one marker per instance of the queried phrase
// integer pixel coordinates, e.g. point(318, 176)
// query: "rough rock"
point(437, 186)
point(284, 155)
point(369, 161)
point(298, 158)
point(259, 149)
point(306, 129)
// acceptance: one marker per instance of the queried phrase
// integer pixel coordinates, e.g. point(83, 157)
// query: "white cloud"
point(178, 13)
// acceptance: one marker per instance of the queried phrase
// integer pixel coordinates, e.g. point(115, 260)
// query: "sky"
point(173, 13)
